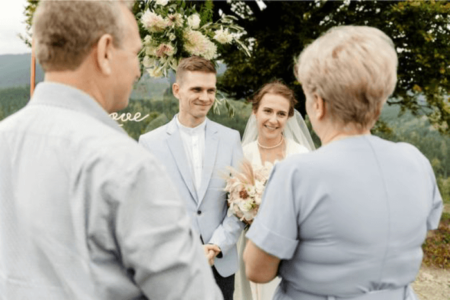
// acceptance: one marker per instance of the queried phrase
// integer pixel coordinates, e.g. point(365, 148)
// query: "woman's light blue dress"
point(348, 218)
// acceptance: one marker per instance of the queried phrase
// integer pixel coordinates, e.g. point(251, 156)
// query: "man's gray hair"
point(64, 32)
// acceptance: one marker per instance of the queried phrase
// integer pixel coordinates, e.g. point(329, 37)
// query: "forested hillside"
point(157, 106)
point(15, 70)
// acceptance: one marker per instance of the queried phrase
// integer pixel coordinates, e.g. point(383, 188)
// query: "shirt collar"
point(67, 97)
point(191, 131)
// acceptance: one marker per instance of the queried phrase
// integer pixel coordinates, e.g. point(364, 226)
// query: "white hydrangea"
point(194, 21)
point(223, 36)
point(172, 37)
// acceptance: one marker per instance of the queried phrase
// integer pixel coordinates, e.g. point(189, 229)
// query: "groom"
point(196, 152)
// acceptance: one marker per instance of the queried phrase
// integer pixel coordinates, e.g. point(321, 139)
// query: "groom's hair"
point(194, 64)
point(65, 32)
point(275, 88)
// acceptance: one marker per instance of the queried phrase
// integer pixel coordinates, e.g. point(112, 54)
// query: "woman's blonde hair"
point(353, 69)
point(64, 32)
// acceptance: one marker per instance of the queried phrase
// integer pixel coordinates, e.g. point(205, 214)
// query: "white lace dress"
point(244, 289)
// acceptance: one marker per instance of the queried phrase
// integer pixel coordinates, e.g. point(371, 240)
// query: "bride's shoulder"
point(250, 146)
point(293, 147)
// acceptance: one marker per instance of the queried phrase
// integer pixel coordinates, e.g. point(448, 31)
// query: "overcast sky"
point(11, 24)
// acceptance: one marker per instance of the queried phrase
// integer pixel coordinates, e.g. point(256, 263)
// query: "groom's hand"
point(211, 252)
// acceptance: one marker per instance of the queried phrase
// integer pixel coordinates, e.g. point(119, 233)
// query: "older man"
point(85, 212)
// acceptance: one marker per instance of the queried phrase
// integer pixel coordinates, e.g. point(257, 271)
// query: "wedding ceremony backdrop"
point(259, 43)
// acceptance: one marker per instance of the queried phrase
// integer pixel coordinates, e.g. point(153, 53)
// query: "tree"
point(420, 30)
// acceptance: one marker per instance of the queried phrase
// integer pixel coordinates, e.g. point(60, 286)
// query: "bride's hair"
point(275, 88)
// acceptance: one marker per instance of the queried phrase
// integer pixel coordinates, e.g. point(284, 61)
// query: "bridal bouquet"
point(174, 31)
point(245, 188)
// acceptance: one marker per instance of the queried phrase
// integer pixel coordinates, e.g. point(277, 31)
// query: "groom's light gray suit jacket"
point(207, 207)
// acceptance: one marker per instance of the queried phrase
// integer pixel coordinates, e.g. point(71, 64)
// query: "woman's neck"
point(270, 143)
point(336, 135)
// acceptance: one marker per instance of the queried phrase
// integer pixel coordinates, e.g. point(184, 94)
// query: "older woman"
point(346, 221)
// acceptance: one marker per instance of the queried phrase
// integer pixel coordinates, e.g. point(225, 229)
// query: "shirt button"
point(199, 212)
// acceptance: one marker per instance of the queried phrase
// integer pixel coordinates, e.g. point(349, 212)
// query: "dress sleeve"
point(275, 229)
point(436, 203)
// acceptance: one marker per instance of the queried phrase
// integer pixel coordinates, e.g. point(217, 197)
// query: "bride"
point(274, 131)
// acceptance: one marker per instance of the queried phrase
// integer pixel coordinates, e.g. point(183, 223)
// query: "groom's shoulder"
point(223, 128)
point(154, 134)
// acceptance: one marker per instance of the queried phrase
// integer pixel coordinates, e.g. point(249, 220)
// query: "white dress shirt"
point(194, 145)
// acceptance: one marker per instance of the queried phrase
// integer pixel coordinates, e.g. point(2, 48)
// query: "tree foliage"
point(277, 34)
point(420, 30)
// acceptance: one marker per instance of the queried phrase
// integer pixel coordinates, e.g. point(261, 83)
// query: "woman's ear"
point(105, 54)
point(319, 107)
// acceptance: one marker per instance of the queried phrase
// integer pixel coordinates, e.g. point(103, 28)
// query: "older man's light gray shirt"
point(86, 213)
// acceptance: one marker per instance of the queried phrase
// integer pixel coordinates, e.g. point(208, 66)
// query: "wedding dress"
point(298, 140)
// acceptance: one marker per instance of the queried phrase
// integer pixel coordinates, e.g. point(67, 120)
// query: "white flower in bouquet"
point(175, 19)
point(148, 61)
point(153, 22)
point(155, 72)
point(246, 206)
point(259, 186)
point(245, 188)
point(162, 2)
point(223, 36)
point(150, 50)
point(258, 199)
point(175, 30)
point(194, 21)
point(147, 40)
point(198, 44)
point(165, 50)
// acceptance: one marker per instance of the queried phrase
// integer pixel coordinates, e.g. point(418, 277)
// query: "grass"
point(437, 246)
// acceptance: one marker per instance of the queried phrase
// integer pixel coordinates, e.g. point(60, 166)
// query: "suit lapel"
point(209, 158)
point(176, 148)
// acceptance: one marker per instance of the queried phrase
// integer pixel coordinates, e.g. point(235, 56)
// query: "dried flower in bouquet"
point(245, 188)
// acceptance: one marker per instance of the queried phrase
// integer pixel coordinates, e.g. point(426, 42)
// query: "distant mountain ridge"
point(15, 70)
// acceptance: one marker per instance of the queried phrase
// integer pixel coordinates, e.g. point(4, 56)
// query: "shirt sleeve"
point(157, 244)
point(275, 228)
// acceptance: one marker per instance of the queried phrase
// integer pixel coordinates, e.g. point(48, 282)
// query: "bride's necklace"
point(271, 147)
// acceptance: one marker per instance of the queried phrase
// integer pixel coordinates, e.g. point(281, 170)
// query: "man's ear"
point(105, 54)
point(176, 90)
